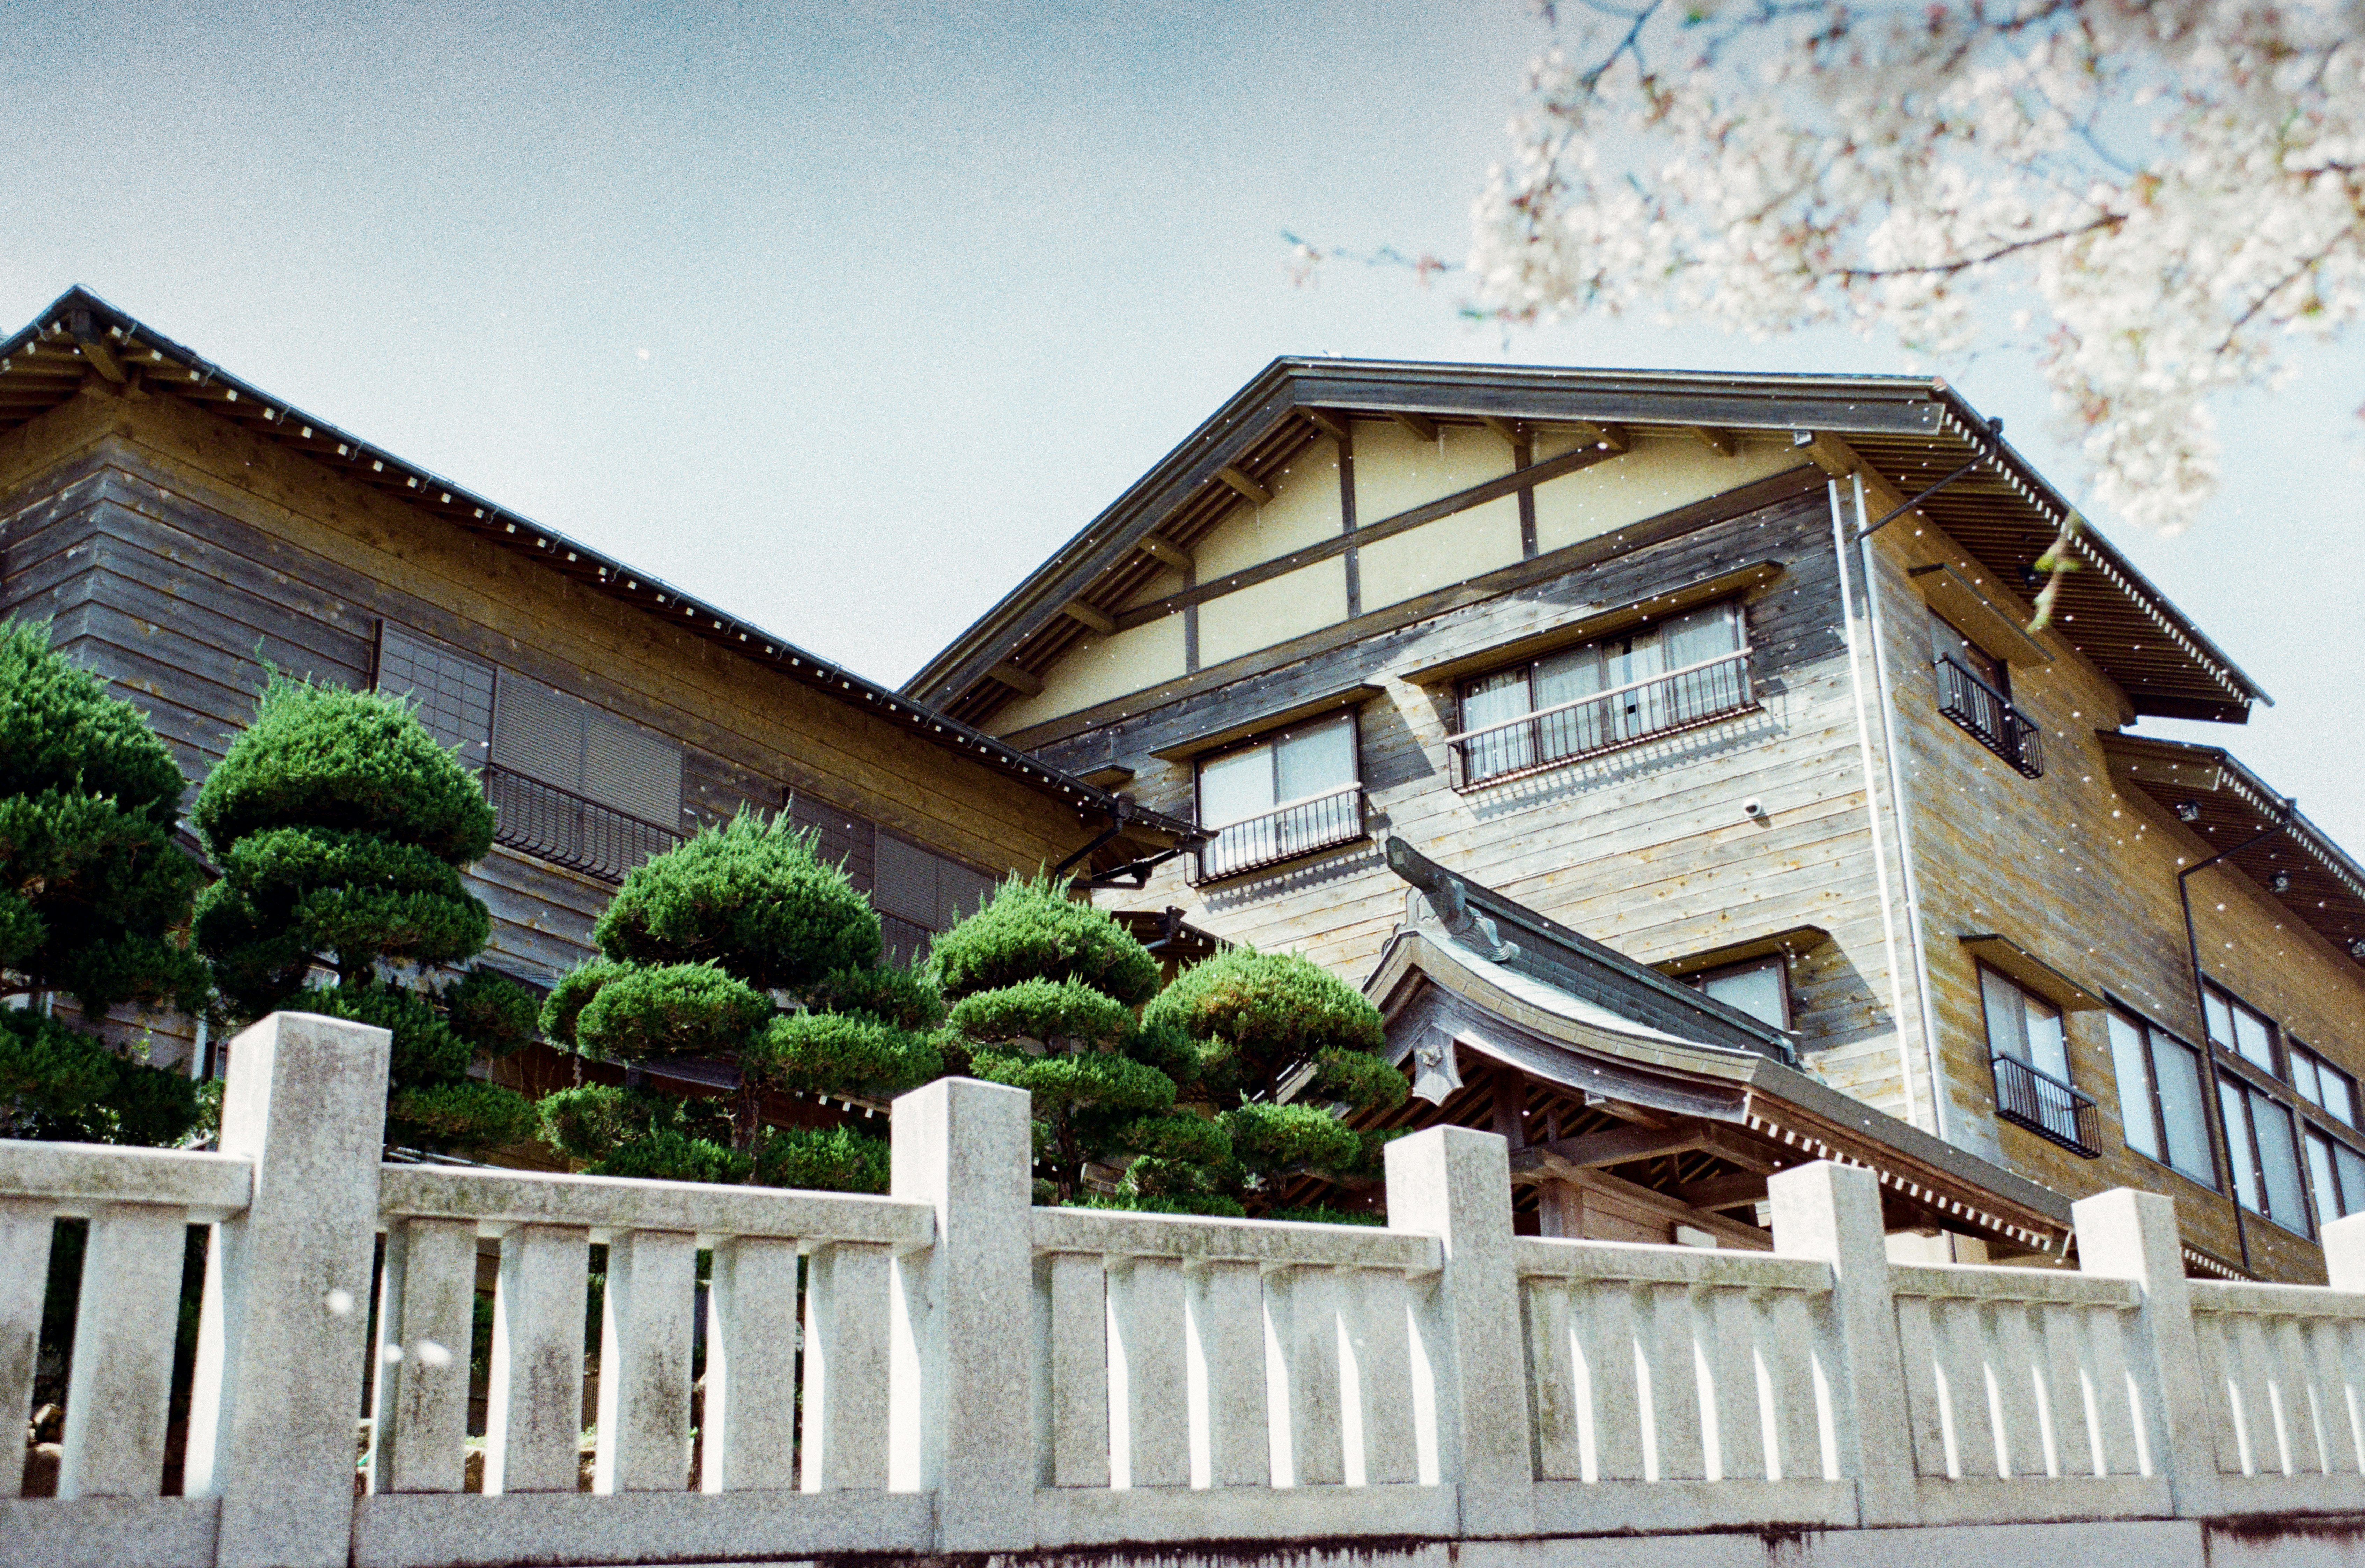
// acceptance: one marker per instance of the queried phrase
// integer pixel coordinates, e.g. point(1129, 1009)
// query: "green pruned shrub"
point(1031, 929)
point(342, 828)
point(93, 892)
point(740, 946)
point(1287, 1050)
point(750, 897)
point(1045, 992)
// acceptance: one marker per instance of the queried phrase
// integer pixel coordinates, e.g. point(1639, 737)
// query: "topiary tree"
point(92, 892)
point(1285, 1049)
point(1043, 992)
point(740, 946)
point(342, 827)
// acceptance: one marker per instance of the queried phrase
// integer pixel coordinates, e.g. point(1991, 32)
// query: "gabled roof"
point(81, 335)
point(1911, 430)
point(1580, 1019)
point(2259, 831)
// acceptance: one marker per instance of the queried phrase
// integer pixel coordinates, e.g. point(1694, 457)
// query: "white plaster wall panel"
point(1165, 582)
point(1447, 551)
point(1304, 511)
point(1274, 611)
point(1662, 472)
point(1397, 470)
point(1097, 668)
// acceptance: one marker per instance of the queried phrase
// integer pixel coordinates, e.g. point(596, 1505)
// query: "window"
point(919, 892)
point(453, 693)
point(2323, 1085)
point(2029, 1051)
point(2236, 1029)
point(565, 741)
point(2265, 1158)
point(578, 787)
point(2339, 1173)
point(2160, 1098)
point(1975, 692)
point(1759, 988)
point(1286, 795)
point(1651, 680)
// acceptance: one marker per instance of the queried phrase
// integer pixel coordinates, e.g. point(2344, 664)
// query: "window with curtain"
point(1759, 988)
point(2264, 1152)
point(452, 693)
point(2161, 1102)
point(2323, 1085)
point(2023, 1026)
point(2338, 1174)
point(2241, 1029)
point(1644, 681)
point(1286, 794)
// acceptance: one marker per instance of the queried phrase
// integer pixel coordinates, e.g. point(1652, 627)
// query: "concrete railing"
point(949, 1370)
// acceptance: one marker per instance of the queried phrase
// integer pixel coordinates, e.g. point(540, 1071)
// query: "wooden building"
point(182, 529)
point(1729, 674)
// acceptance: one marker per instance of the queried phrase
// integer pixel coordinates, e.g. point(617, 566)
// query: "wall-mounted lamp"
point(2188, 810)
point(2357, 948)
point(2280, 883)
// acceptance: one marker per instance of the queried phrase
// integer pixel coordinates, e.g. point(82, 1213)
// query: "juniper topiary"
point(1286, 1050)
point(1044, 991)
point(93, 891)
point(342, 828)
point(740, 945)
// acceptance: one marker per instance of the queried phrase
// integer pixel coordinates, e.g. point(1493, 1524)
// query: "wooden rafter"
point(1084, 615)
point(1159, 549)
point(1257, 494)
point(1420, 425)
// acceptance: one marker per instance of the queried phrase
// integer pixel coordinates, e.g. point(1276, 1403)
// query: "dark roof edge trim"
point(716, 624)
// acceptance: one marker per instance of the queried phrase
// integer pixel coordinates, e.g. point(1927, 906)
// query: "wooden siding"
point(177, 557)
point(2083, 873)
point(1646, 848)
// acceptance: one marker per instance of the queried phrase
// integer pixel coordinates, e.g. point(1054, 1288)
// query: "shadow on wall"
point(1360, 858)
point(1644, 759)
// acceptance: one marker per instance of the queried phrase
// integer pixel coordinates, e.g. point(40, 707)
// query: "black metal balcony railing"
point(1988, 717)
point(571, 830)
point(1284, 833)
point(1603, 720)
point(2051, 1109)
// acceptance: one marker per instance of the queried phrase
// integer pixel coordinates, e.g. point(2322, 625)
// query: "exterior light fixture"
point(2188, 810)
point(2356, 948)
point(2280, 883)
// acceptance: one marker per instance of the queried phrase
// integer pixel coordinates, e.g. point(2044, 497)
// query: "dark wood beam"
point(1024, 682)
point(1247, 487)
point(1420, 425)
point(1716, 440)
point(1336, 426)
point(1508, 429)
point(1618, 1146)
point(1617, 438)
point(1727, 1191)
point(1076, 609)
point(1159, 549)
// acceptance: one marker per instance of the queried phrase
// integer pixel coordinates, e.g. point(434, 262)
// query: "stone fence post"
point(283, 1339)
point(1833, 1212)
point(2126, 1235)
point(2344, 1252)
point(1455, 1183)
point(961, 1352)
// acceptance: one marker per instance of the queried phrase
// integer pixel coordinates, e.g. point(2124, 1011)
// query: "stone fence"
point(950, 1371)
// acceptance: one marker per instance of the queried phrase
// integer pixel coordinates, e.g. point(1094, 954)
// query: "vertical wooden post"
point(283, 1335)
point(2126, 1235)
point(1833, 1212)
point(1455, 1183)
point(966, 1149)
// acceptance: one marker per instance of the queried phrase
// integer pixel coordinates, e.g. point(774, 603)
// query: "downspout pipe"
point(1872, 806)
point(2200, 1007)
point(1917, 932)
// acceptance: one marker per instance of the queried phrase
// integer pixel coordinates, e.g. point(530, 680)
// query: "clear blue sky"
point(844, 316)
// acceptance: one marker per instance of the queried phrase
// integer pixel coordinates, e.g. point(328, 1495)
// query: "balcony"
point(1603, 720)
point(1988, 717)
point(2030, 1097)
point(1299, 827)
point(571, 830)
